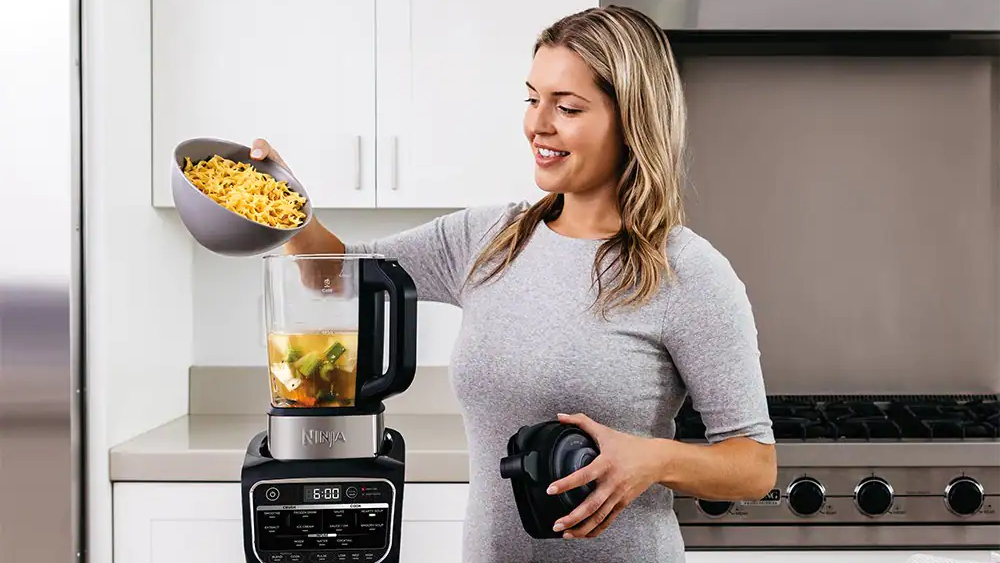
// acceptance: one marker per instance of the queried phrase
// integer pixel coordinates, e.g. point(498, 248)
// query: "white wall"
point(138, 260)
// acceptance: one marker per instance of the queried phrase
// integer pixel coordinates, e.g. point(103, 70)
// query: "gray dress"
point(529, 349)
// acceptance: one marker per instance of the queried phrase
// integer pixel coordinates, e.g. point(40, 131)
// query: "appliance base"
point(323, 509)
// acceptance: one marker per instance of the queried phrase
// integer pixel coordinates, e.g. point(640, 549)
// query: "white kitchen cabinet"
point(442, 129)
point(202, 522)
point(300, 74)
point(165, 522)
point(432, 522)
point(450, 102)
point(440, 542)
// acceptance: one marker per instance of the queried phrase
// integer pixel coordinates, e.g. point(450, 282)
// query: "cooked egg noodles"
point(242, 189)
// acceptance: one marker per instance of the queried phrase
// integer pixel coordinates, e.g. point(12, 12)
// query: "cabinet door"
point(170, 522)
point(433, 515)
point(300, 74)
point(450, 99)
point(422, 539)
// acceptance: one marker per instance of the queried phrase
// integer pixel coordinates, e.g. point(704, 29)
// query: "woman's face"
point(571, 125)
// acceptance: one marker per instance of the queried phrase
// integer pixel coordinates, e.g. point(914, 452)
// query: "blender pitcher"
point(325, 481)
point(325, 321)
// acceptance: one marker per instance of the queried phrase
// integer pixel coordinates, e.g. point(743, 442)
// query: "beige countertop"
point(205, 447)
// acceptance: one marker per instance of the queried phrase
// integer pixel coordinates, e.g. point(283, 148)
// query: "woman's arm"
point(711, 336)
point(435, 254)
point(734, 469)
point(709, 333)
point(314, 238)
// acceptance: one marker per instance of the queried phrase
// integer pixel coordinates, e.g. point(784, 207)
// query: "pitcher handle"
point(389, 276)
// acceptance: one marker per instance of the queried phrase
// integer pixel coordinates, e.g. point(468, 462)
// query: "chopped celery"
point(325, 370)
point(334, 352)
point(307, 364)
point(292, 354)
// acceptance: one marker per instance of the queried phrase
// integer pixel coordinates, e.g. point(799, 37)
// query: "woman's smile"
point(547, 156)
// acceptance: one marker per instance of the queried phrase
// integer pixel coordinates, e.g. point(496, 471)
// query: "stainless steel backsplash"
point(857, 198)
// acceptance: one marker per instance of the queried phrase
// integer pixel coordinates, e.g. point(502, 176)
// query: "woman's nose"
point(539, 121)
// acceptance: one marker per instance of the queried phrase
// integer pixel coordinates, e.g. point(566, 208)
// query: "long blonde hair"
point(633, 64)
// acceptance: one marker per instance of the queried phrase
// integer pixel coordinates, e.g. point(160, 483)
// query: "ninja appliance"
point(324, 482)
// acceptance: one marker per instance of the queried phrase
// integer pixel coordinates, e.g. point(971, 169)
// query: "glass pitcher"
point(325, 320)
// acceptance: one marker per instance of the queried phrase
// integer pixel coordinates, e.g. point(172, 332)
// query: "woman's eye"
point(531, 101)
point(568, 111)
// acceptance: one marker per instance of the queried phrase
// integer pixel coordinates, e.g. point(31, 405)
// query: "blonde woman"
point(596, 300)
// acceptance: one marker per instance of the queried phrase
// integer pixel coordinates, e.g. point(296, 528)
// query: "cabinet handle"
point(357, 162)
point(394, 163)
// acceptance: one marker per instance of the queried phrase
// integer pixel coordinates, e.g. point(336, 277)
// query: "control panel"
point(322, 520)
point(845, 495)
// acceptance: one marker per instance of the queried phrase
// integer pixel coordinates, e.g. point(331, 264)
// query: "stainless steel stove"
point(865, 471)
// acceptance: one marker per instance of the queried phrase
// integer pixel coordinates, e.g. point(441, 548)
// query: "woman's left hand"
point(625, 467)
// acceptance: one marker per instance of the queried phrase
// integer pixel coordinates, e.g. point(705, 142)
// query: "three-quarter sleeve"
point(710, 334)
point(438, 253)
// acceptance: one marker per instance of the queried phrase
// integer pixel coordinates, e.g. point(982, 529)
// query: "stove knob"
point(964, 496)
point(714, 508)
point(806, 496)
point(873, 496)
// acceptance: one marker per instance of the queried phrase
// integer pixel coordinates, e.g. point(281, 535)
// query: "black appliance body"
point(538, 455)
point(323, 510)
point(326, 484)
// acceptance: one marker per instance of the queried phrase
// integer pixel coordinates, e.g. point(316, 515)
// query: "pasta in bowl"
point(233, 205)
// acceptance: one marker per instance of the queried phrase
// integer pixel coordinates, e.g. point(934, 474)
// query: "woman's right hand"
point(261, 150)
point(313, 239)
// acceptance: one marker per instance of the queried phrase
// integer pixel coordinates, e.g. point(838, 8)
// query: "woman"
point(540, 335)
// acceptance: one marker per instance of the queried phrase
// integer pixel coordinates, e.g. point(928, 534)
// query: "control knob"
point(714, 508)
point(873, 496)
point(964, 496)
point(806, 496)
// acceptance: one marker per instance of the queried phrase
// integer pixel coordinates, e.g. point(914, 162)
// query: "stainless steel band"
point(325, 437)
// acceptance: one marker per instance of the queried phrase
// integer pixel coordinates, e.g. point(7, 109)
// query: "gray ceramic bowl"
point(213, 226)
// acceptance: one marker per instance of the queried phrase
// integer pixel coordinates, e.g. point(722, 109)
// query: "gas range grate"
point(870, 417)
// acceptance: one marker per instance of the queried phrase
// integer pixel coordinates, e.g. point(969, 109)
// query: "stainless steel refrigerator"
point(41, 419)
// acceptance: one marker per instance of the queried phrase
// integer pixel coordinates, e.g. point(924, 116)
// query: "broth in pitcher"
point(316, 369)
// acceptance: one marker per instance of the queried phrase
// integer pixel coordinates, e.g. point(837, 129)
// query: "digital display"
point(321, 493)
